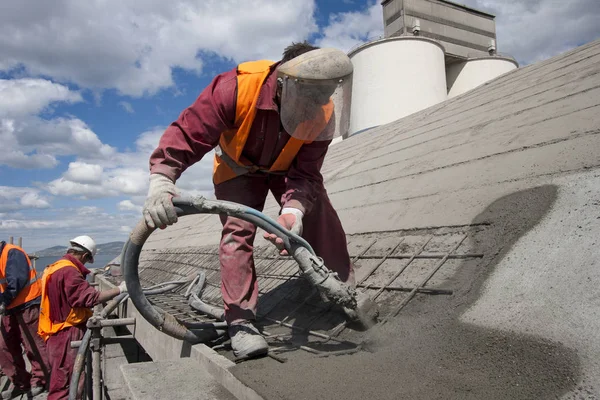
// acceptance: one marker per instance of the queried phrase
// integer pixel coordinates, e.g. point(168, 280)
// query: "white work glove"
point(290, 219)
point(122, 287)
point(2, 309)
point(158, 209)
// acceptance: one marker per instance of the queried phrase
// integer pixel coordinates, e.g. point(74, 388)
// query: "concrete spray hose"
point(357, 307)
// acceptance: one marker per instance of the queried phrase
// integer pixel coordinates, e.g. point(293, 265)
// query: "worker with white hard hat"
point(270, 124)
point(66, 305)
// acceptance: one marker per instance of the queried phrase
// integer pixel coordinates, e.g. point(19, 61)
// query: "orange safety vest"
point(76, 316)
point(32, 289)
point(229, 162)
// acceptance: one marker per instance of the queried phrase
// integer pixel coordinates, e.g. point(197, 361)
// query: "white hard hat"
point(316, 94)
point(84, 243)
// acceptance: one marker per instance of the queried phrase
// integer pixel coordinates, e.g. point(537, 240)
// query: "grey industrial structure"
point(463, 31)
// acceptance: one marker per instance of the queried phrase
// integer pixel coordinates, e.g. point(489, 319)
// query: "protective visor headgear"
point(316, 89)
point(86, 244)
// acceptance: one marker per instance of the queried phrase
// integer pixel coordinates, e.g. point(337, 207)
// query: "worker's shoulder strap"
point(254, 67)
point(4, 255)
point(250, 78)
point(50, 269)
point(8, 247)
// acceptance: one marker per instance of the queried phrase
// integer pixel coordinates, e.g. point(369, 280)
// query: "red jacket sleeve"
point(78, 291)
point(198, 128)
point(304, 180)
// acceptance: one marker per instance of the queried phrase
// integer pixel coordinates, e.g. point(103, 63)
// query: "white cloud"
point(32, 142)
point(534, 30)
point(81, 172)
point(88, 210)
point(19, 198)
point(125, 229)
point(57, 226)
point(29, 141)
point(19, 97)
point(131, 180)
point(32, 199)
point(147, 141)
point(127, 205)
point(346, 30)
point(11, 224)
point(65, 187)
point(127, 174)
point(127, 107)
point(133, 46)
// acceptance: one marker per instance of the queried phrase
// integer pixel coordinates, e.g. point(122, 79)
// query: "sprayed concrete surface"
point(548, 282)
point(428, 352)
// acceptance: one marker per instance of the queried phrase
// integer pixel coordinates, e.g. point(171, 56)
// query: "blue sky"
point(86, 89)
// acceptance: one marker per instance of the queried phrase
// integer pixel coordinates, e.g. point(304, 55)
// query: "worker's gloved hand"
point(2, 309)
point(290, 219)
point(122, 287)
point(158, 209)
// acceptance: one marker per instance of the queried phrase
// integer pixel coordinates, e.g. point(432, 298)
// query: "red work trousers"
point(20, 328)
point(62, 360)
point(321, 228)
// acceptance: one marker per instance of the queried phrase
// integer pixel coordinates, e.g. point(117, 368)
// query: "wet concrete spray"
point(426, 352)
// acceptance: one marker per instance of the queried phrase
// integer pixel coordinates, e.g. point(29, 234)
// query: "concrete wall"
point(393, 78)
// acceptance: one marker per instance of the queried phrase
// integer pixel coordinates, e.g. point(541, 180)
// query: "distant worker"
point(67, 299)
point(270, 124)
point(20, 310)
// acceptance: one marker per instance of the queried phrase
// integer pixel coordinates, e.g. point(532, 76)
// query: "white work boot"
point(246, 340)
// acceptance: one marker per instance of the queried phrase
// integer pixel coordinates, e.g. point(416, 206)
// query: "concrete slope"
point(502, 185)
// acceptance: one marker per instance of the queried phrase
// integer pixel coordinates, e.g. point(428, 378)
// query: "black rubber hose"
point(160, 319)
point(201, 205)
point(185, 206)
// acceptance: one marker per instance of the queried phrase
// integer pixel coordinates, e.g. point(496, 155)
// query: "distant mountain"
point(103, 248)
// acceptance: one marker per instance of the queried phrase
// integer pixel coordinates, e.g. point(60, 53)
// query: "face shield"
point(315, 95)
point(315, 110)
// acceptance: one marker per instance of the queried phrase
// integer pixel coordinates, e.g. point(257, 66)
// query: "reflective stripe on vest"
point(229, 162)
point(76, 316)
point(32, 288)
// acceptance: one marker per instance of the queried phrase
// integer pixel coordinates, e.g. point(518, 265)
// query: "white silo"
point(395, 77)
point(466, 75)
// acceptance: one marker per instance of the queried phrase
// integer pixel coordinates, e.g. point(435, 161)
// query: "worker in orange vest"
point(270, 124)
point(20, 293)
point(66, 302)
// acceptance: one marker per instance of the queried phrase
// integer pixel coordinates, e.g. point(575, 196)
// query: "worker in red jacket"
point(20, 292)
point(67, 299)
point(270, 124)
